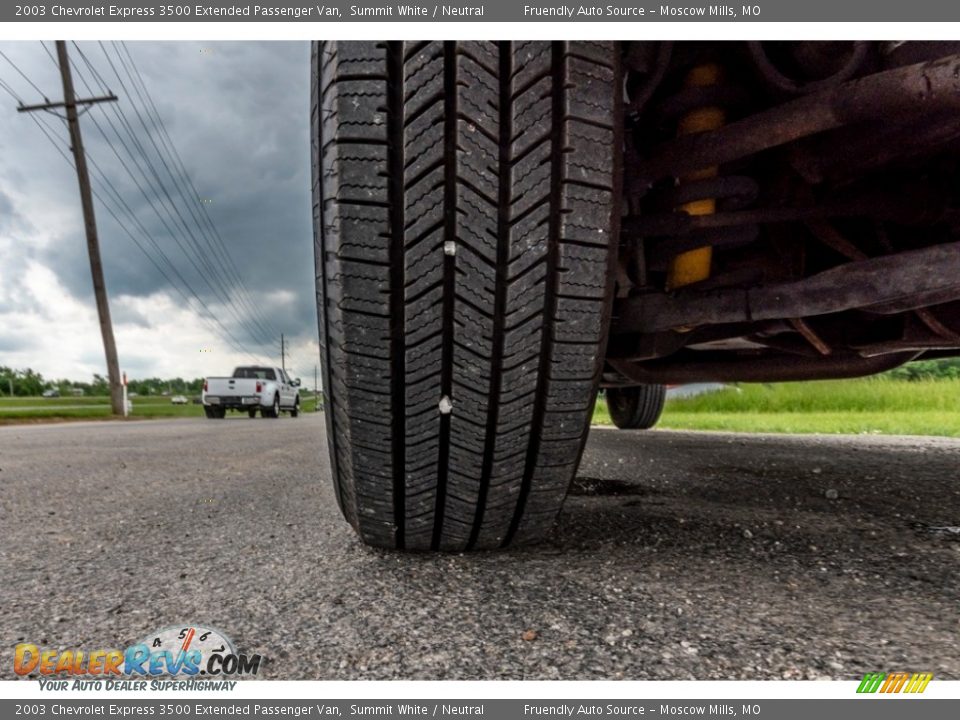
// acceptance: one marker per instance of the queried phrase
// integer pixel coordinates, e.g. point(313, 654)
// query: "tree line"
point(945, 369)
point(29, 383)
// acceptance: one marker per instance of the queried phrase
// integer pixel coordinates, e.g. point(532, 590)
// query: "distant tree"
point(6, 380)
point(99, 386)
point(23, 383)
point(943, 369)
point(29, 383)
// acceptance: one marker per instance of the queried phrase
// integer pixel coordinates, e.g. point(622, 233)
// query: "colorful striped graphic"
point(898, 682)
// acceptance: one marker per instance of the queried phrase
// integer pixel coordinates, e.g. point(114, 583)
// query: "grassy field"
point(29, 409)
point(871, 405)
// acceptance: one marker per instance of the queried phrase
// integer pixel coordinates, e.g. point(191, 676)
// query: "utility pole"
point(70, 103)
point(283, 354)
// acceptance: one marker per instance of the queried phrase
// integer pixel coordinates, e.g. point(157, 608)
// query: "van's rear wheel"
point(465, 212)
point(636, 408)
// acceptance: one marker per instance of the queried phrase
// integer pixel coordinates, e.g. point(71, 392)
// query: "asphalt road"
point(679, 555)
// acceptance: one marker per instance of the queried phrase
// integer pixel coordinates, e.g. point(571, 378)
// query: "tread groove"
point(499, 302)
point(395, 160)
point(558, 72)
point(449, 280)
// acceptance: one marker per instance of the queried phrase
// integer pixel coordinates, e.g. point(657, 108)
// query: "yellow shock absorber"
point(694, 265)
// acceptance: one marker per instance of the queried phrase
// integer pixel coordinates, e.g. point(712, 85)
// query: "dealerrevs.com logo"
point(191, 652)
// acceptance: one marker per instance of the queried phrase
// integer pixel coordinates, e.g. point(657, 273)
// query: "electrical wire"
point(196, 257)
point(227, 285)
point(24, 76)
point(208, 263)
point(229, 337)
point(178, 162)
point(50, 135)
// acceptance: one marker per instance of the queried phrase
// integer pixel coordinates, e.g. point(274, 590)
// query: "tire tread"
point(506, 150)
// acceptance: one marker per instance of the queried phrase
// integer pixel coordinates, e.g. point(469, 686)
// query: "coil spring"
point(701, 105)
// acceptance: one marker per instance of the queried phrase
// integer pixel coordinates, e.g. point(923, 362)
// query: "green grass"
point(35, 409)
point(871, 405)
point(13, 402)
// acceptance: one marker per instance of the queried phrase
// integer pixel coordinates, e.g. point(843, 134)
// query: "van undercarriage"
point(789, 211)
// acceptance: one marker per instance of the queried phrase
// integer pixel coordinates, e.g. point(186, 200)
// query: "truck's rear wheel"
point(465, 214)
point(636, 408)
point(273, 411)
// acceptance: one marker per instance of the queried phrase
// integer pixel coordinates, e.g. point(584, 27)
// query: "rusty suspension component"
point(884, 285)
point(700, 108)
point(935, 86)
point(727, 367)
point(694, 265)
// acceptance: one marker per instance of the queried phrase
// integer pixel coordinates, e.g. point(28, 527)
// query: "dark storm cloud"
point(238, 114)
point(15, 254)
point(123, 314)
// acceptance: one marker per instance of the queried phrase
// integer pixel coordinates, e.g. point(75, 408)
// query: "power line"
point(213, 281)
point(11, 92)
point(49, 54)
point(151, 110)
point(23, 75)
point(178, 162)
point(219, 279)
point(209, 275)
point(117, 206)
point(102, 178)
point(50, 134)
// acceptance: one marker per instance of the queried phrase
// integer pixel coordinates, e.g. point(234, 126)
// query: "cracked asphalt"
point(678, 555)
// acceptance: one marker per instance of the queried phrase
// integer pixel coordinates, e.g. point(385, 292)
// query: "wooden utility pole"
point(283, 354)
point(70, 104)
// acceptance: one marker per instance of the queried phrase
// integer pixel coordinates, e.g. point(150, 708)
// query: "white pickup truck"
point(252, 387)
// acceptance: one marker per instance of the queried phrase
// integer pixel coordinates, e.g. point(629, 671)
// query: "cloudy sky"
point(238, 114)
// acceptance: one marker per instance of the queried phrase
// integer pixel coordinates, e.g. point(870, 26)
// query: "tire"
point(636, 408)
point(251, 413)
point(273, 411)
point(465, 225)
point(295, 412)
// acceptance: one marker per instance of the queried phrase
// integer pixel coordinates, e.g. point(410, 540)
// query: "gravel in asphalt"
point(677, 556)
